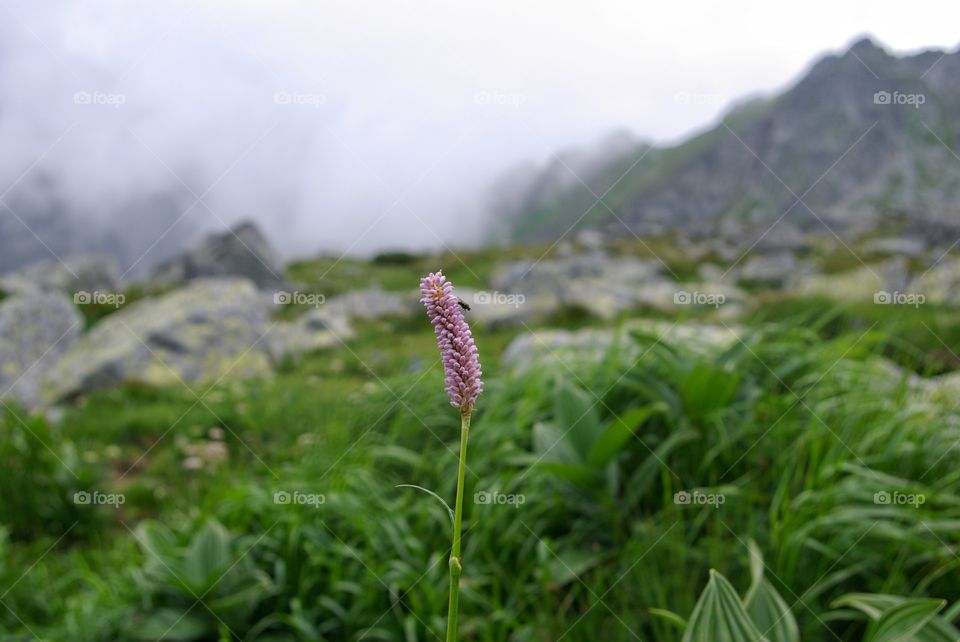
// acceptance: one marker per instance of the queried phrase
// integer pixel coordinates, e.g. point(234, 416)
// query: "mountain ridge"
point(860, 137)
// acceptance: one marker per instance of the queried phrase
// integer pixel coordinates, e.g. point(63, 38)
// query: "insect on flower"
point(463, 304)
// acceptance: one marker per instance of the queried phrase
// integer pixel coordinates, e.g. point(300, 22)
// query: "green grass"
point(797, 427)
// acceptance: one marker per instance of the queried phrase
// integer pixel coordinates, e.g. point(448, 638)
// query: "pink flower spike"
point(461, 365)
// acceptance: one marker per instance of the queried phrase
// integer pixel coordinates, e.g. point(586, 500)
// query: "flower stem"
point(456, 562)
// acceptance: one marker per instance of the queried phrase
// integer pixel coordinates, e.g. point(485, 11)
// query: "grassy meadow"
point(799, 481)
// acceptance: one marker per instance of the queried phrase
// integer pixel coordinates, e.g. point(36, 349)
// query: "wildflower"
point(461, 365)
point(461, 368)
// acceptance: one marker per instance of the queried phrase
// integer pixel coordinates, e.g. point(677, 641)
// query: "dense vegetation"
point(819, 471)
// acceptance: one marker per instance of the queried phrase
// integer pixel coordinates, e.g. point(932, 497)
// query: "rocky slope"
point(863, 137)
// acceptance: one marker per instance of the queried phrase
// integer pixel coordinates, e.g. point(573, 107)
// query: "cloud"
point(349, 126)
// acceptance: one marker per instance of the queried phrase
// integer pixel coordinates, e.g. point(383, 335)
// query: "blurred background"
point(709, 258)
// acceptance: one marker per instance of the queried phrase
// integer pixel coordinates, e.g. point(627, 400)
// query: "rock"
point(772, 270)
point(76, 274)
point(714, 273)
point(941, 282)
point(602, 285)
point(782, 237)
point(369, 305)
point(35, 329)
point(197, 333)
point(242, 251)
point(943, 390)
point(894, 245)
point(498, 310)
point(316, 330)
point(591, 240)
point(722, 250)
point(866, 283)
point(858, 284)
point(533, 348)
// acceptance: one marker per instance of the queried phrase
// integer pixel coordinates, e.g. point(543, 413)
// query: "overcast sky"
point(362, 125)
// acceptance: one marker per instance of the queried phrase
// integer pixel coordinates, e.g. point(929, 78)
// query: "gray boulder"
point(498, 310)
point(769, 269)
point(566, 348)
point(197, 333)
point(79, 273)
point(603, 285)
point(316, 330)
point(369, 305)
point(896, 245)
point(782, 237)
point(36, 328)
point(940, 283)
point(240, 252)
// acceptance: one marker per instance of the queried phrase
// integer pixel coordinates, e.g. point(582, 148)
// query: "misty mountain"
point(38, 221)
point(862, 138)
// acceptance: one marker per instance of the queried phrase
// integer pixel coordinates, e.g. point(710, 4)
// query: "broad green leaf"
point(771, 614)
point(768, 610)
point(873, 605)
point(576, 415)
point(207, 557)
point(719, 616)
point(707, 388)
point(938, 629)
point(876, 605)
point(551, 443)
point(618, 433)
point(904, 621)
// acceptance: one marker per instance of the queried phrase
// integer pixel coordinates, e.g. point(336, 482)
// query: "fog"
point(351, 127)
